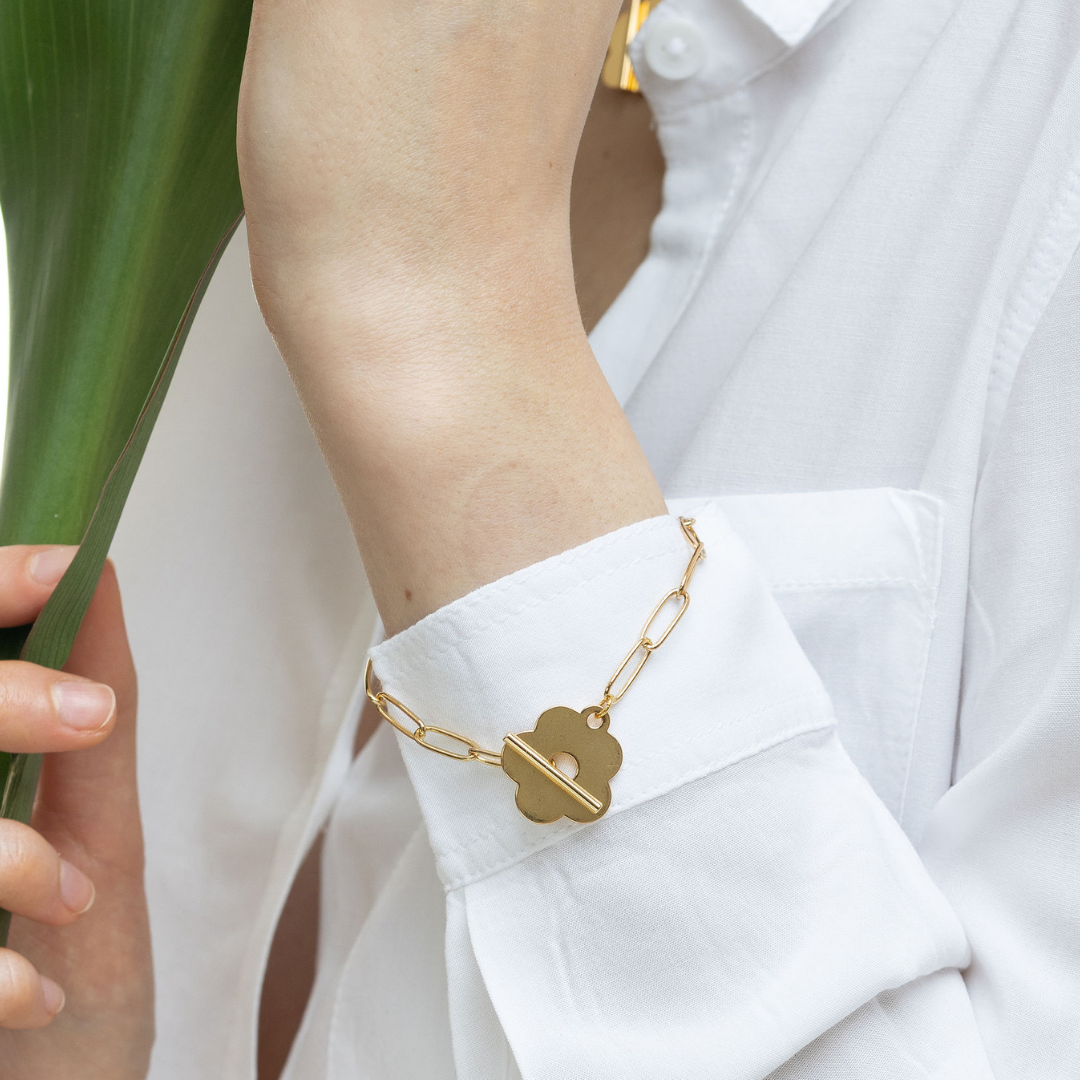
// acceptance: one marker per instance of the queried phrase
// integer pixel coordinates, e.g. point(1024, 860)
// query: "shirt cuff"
point(730, 681)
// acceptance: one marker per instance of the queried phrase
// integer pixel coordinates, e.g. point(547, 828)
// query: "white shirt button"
point(674, 49)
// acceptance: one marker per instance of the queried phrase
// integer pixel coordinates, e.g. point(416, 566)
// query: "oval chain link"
point(419, 732)
point(635, 659)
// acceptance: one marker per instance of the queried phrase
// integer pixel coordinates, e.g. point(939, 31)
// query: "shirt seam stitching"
point(843, 583)
point(1039, 280)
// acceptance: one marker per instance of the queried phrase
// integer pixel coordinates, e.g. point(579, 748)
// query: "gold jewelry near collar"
point(564, 766)
point(617, 72)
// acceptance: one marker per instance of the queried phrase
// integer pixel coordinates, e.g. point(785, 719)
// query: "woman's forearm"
point(466, 454)
point(421, 289)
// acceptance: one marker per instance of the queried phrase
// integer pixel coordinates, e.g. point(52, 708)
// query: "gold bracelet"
point(564, 766)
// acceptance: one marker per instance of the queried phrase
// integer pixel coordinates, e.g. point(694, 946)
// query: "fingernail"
point(85, 706)
point(54, 996)
point(76, 889)
point(48, 567)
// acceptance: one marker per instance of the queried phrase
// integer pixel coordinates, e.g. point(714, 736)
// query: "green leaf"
point(118, 182)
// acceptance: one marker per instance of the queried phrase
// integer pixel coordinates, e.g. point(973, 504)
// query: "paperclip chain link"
point(634, 661)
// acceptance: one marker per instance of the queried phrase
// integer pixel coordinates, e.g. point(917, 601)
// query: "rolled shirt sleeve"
point(746, 892)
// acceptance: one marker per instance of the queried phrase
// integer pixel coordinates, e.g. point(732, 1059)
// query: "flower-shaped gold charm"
point(563, 767)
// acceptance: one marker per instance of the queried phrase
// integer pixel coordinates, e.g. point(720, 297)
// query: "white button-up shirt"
point(845, 838)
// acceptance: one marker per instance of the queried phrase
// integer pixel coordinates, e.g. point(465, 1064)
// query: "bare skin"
point(614, 198)
point(76, 987)
point(413, 260)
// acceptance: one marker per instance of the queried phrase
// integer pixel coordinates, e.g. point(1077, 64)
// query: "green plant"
point(119, 188)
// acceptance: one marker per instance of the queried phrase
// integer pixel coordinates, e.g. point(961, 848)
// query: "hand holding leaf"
point(95, 947)
point(119, 188)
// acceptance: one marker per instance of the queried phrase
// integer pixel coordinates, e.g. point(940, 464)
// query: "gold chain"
point(634, 661)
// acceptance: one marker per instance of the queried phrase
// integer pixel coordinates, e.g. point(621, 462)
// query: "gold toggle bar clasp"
point(558, 778)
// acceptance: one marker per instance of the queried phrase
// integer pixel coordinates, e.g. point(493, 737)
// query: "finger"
point(35, 882)
point(27, 999)
point(28, 574)
point(42, 711)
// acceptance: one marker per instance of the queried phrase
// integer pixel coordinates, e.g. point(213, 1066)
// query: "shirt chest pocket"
point(856, 574)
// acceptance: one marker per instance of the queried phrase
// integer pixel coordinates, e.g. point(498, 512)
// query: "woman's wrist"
point(459, 465)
